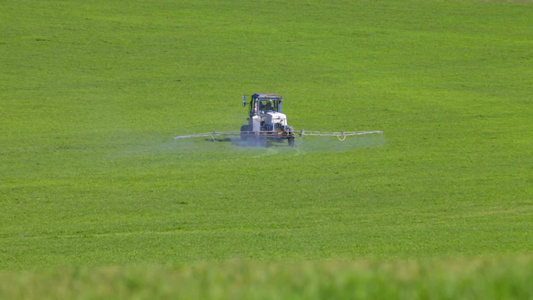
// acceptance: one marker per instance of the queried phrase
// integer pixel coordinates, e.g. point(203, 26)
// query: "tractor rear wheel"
point(291, 137)
point(244, 132)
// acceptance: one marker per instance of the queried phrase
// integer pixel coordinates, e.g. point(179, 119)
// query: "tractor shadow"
point(251, 143)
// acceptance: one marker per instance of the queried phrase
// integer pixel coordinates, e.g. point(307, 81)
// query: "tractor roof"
point(267, 96)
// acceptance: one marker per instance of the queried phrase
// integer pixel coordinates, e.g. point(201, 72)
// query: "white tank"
point(276, 118)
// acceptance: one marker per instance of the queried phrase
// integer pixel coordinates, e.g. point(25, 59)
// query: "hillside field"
point(93, 185)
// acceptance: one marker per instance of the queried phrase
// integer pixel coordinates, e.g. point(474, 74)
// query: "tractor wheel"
point(291, 142)
point(244, 132)
point(291, 137)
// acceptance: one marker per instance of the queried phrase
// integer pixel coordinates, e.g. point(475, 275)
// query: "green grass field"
point(92, 182)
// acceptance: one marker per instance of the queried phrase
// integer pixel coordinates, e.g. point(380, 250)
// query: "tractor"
point(266, 122)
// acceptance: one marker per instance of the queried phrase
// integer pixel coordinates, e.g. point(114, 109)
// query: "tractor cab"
point(262, 103)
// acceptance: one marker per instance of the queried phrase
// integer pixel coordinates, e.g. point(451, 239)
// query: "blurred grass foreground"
point(457, 278)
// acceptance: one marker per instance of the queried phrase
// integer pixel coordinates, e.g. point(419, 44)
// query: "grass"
point(93, 93)
point(463, 278)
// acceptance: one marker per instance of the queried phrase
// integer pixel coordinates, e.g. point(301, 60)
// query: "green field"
point(92, 182)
